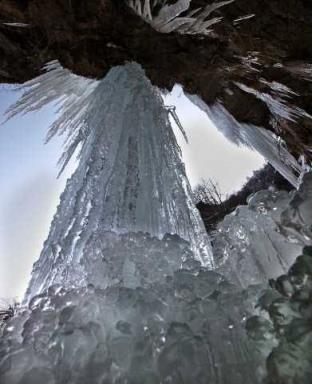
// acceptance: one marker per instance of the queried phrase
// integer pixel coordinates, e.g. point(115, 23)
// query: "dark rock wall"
point(90, 37)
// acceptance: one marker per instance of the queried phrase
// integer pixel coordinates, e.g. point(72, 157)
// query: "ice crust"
point(283, 328)
point(163, 318)
point(262, 240)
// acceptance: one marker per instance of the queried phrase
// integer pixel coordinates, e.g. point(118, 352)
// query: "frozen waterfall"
point(124, 291)
point(130, 176)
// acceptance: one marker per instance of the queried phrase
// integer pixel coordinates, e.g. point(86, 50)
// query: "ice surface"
point(257, 138)
point(283, 329)
point(263, 239)
point(130, 176)
point(163, 318)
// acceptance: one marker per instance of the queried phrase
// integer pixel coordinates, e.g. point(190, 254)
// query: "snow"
point(158, 316)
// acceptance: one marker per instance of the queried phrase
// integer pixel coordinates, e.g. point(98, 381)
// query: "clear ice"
point(124, 291)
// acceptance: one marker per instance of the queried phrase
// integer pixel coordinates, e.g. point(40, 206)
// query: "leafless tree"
point(7, 310)
point(208, 192)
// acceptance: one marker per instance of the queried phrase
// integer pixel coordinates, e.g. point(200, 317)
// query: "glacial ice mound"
point(162, 318)
point(283, 328)
point(257, 138)
point(262, 240)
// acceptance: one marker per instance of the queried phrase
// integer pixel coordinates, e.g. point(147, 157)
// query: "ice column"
point(130, 177)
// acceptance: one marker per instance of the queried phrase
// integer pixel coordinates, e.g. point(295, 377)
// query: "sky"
point(30, 191)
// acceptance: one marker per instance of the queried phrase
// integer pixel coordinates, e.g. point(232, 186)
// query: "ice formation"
point(243, 18)
point(18, 25)
point(123, 292)
point(130, 176)
point(168, 18)
point(72, 93)
point(263, 141)
point(262, 240)
point(164, 318)
point(283, 328)
point(277, 101)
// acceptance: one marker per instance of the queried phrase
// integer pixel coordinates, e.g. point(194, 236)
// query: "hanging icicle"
point(168, 19)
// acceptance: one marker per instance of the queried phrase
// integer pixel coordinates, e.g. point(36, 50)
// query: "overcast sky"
point(30, 192)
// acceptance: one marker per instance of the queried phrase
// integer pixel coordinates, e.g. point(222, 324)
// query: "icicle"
point(277, 103)
point(243, 18)
point(17, 25)
point(303, 70)
point(73, 93)
point(257, 138)
point(173, 113)
point(130, 176)
point(168, 19)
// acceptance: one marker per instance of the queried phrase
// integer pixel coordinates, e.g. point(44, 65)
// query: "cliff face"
point(89, 37)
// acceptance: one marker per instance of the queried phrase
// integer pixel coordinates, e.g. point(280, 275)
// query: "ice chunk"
point(277, 102)
point(262, 240)
point(164, 319)
point(283, 330)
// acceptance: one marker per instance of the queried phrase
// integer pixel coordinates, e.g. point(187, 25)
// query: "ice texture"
point(283, 329)
point(123, 292)
point(163, 318)
point(130, 176)
point(168, 19)
point(261, 140)
point(262, 240)
point(71, 93)
point(277, 100)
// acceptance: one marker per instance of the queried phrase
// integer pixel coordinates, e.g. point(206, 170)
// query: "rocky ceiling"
point(238, 62)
